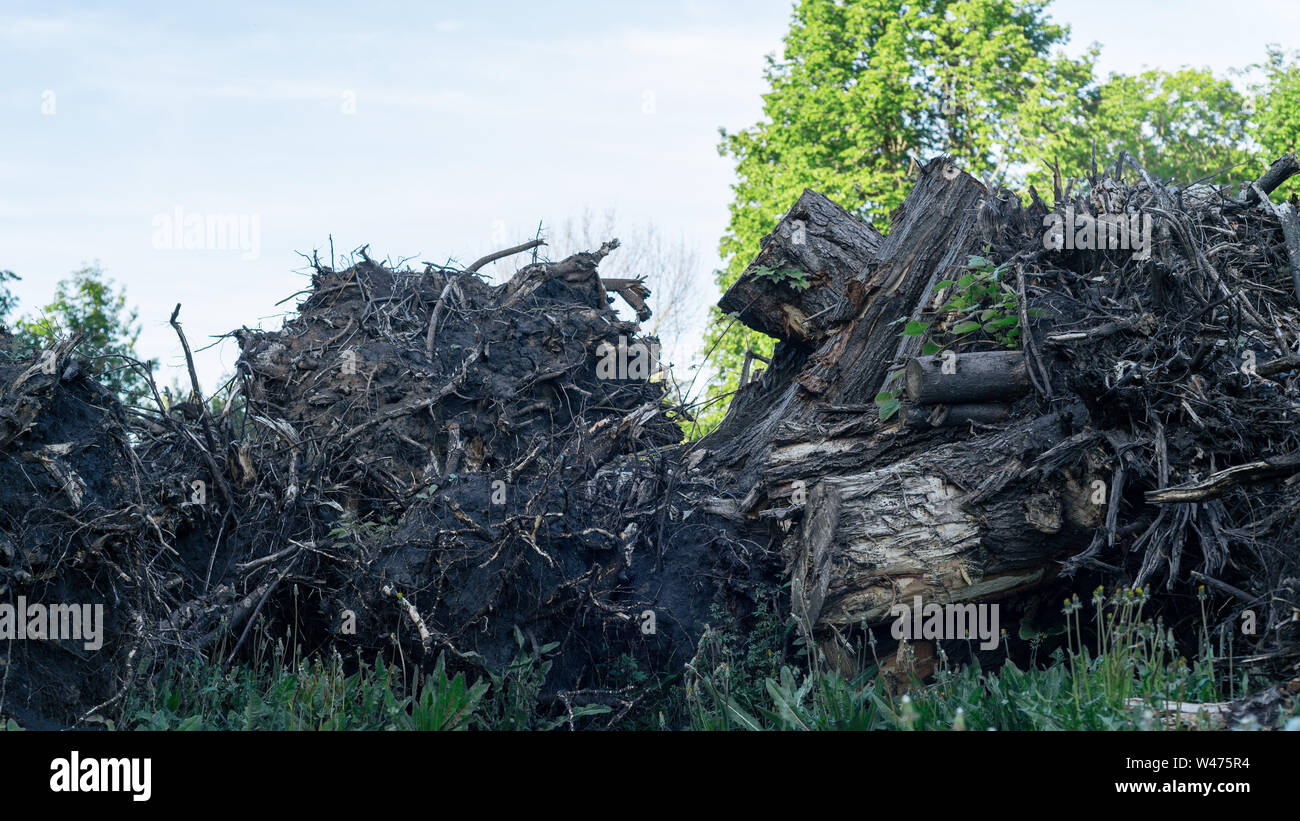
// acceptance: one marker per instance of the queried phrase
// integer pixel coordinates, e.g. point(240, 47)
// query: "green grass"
point(1128, 681)
point(274, 692)
point(315, 695)
point(1124, 677)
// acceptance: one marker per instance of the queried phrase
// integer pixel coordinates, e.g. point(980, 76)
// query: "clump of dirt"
point(457, 443)
point(417, 463)
point(80, 528)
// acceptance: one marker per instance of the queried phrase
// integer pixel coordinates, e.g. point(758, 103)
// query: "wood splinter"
point(426, 638)
point(633, 292)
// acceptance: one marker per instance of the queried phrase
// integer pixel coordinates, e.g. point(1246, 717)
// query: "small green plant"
point(1133, 678)
point(888, 401)
point(981, 303)
point(726, 680)
point(1118, 669)
point(792, 277)
point(445, 703)
point(315, 695)
point(368, 532)
point(517, 688)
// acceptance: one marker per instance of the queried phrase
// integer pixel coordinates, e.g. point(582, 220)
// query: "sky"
point(430, 131)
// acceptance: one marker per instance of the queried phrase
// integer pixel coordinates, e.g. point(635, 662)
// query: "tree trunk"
point(884, 511)
point(934, 231)
point(966, 521)
point(805, 280)
point(937, 416)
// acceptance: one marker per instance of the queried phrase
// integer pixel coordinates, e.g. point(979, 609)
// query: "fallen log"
point(846, 366)
point(986, 491)
point(968, 521)
point(886, 515)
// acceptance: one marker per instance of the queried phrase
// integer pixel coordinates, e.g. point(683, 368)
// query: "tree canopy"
point(91, 305)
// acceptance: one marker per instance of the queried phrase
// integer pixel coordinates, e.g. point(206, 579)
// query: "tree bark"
point(822, 244)
point(967, 521)
point(947, 416)
point(933, 233)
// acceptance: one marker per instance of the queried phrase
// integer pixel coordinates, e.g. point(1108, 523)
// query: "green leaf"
point(966, 327)
point(746, 721)
point(915, 328)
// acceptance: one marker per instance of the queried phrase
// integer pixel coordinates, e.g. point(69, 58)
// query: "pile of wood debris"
point(993, 397)
point(981, 405)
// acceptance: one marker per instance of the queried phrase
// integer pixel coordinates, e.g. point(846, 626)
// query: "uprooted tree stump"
point(1144, 430)
point(425, 461)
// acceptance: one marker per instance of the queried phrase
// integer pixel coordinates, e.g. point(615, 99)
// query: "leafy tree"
point(863, 87)
point(1276, 120)
point(1184, 125)
point(7, 300)
point(89, 304)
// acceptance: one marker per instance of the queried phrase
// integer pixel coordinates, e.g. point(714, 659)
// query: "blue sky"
point(428, 130)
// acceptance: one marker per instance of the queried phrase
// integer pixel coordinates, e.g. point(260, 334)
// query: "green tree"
point(89, 304)
point(1276, 121)
point(7, 304)
point(7, 300)
point(862, 87)
point(1185, 126)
